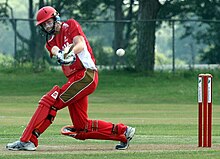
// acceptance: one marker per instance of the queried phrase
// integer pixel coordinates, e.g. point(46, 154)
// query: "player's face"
point(48, 25)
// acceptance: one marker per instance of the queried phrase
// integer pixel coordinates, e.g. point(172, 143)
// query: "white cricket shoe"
point(18, 145)
point(129, 135)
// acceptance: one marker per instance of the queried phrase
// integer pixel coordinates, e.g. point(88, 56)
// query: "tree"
point(123, 30)
point(199, 10)
point(125, 33)
point(148, 11)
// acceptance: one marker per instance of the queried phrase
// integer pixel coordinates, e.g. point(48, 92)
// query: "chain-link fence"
point(178, 44)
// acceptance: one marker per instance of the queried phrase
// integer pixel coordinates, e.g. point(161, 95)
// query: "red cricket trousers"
point(74, 94)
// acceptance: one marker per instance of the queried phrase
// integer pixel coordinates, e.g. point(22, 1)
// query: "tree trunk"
point(148, 10)
point(119, 27)
point(32, 45)
point(36, 45)
point(122, 30)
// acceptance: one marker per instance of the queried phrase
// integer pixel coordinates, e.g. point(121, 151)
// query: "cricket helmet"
point(46, 13)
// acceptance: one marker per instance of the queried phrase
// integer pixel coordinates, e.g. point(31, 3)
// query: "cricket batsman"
point(68, 43)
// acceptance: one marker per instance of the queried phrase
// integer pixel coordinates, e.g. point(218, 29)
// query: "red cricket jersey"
point(68, 31)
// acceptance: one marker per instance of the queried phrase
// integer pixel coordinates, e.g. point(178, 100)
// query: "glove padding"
point(66, 58)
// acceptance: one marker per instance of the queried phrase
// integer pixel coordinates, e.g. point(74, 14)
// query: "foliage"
point(10, 65)
point(102, 54)
point(162, 59)
point(6, 61)
point(22, 55)
point(3, 10)
point(126, 36)
point(205, 32)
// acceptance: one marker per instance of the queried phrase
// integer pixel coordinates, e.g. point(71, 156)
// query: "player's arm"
point(68, 54)
point(79, 44)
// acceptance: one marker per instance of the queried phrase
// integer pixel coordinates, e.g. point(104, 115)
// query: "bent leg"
point(93, 129)
point(78, 113)
point(75, 95)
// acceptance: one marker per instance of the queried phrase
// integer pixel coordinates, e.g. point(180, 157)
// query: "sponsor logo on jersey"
point(54, 95)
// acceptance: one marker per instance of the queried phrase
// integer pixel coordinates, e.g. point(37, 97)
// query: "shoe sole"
point(21, 149)
point(124, 148)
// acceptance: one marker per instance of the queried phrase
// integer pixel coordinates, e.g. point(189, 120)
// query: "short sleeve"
point(75, 28)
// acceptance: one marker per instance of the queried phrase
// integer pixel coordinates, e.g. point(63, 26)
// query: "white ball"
point(120, 52)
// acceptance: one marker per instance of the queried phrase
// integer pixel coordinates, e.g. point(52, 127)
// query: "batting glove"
point(69, 59)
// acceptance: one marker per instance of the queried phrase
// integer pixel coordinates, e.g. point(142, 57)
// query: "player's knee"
point(50, 98)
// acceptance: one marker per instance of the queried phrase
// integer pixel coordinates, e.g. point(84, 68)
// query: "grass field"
point(162, 107)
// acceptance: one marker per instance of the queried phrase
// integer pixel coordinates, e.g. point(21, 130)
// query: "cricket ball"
point(120, 52)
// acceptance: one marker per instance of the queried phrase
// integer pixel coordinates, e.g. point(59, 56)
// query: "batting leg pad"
point(43, 116)
point(100, 136)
